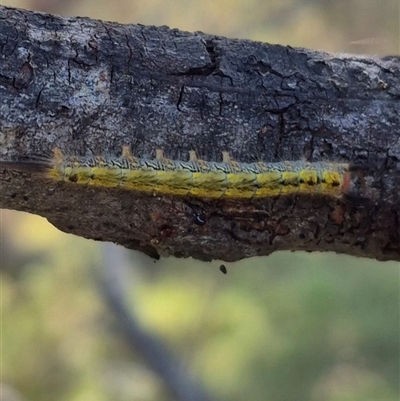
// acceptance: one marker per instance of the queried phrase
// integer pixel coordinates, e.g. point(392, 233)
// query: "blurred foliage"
point(353, 26)
point(293, 326)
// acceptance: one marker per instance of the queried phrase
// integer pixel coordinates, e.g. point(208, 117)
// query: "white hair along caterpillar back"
point(194, 177)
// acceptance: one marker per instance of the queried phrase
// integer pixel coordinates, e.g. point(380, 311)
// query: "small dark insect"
point(223, 269)
point(199, 219)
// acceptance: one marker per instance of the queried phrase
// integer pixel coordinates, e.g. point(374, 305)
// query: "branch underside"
point(87, 86)
point(203, 229)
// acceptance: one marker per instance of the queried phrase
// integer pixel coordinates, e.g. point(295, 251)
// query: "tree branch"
point(91, 86)
point(175, 374)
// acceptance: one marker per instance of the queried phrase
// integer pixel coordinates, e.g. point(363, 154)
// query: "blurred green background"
point(292, 326)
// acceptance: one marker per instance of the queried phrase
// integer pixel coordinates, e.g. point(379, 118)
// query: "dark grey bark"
point(92, 86)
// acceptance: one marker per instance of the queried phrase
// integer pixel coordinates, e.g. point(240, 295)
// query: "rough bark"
point(92, 86)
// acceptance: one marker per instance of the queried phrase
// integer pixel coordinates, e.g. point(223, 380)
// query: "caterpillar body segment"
point(202, 179)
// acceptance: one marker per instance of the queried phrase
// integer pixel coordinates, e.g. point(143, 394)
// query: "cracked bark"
point(87, 85)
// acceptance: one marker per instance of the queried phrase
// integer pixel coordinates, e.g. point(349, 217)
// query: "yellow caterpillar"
point(202, 179)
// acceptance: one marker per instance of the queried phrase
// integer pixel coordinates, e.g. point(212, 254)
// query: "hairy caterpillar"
point(202, 179)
